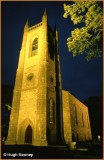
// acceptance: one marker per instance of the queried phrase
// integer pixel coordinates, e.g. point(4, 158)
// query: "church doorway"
point(28, 135)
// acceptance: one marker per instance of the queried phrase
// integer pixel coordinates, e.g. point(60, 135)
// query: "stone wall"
point(79, 118)
point(66, 117)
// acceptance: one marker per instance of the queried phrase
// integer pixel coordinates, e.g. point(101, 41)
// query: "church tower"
point(36, 115)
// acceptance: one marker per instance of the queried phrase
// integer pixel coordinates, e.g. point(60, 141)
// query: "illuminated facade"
point(41, 111)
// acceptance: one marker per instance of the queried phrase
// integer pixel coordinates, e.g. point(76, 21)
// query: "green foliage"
point(89, 38)
point(8, 106)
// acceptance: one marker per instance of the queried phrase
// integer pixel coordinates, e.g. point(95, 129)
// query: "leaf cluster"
point(87, 39)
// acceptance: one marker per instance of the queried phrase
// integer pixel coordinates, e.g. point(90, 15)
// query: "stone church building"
point(42, 113)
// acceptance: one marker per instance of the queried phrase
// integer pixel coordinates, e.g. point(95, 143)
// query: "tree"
point(88, 38)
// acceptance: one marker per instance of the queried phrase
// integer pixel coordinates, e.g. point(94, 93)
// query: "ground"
point(89, 150)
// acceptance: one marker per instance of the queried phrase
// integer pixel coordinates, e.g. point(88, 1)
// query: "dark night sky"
point(81, 78)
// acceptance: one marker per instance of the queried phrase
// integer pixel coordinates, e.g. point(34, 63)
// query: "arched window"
point(34, 47)
point(51, 111)
point(75, 115)
point(88, 121)
point(73, 137)
point(82, 120)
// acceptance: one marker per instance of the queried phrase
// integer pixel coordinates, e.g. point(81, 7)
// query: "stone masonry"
point(42, 113)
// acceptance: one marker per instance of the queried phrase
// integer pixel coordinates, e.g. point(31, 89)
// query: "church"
point(42, 112)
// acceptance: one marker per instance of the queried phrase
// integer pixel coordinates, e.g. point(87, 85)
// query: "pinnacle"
point(26, 23)
point(45, 12)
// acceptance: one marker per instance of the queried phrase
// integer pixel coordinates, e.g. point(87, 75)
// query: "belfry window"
point(34, 47)
point(35, 44)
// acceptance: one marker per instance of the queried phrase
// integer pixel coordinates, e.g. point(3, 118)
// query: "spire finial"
point(45, 12)
point(56, 34)
point(27, 22)
point(44, 17)
point(26, 25)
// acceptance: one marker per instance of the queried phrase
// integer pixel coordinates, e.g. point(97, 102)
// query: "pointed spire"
point(56, 32)
point(27, 24)
point(45, 12)
point(44, 17)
